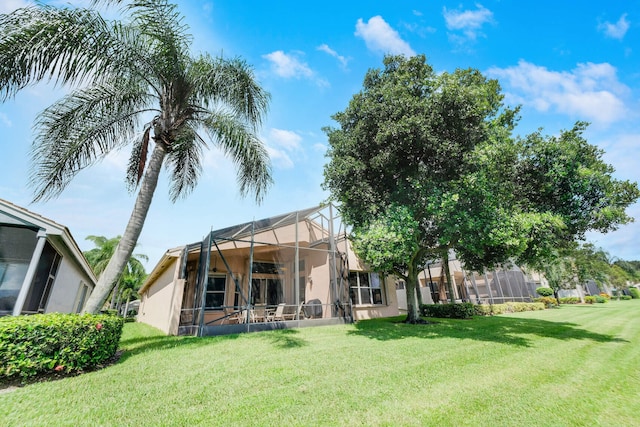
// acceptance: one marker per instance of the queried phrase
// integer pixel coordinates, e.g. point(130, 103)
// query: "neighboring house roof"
point(18, 215)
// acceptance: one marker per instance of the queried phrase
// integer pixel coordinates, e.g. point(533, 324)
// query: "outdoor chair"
point(279, 313)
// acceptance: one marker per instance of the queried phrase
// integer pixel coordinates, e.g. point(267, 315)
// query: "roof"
point(51, 228)
point(235, 232)
point(245, 229)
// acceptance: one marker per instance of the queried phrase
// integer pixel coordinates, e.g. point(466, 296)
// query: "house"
point(499, 285)
point(291, 270)
point(42, 270)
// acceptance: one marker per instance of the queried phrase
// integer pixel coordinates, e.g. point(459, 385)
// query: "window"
point(16, 250)
point(366, 288)
point(82, 296)
point(216, 287)
point(45, 275)
point(266, 291)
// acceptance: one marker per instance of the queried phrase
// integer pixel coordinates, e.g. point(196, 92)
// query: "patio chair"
point(295, 315)
point(279, 313)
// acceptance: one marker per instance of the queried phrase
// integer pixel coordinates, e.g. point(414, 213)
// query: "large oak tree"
point(425, 163)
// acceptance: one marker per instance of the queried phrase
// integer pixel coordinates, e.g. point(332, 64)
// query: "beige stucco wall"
point(160, 304)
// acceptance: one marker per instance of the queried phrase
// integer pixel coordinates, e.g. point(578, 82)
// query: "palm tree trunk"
point(114, 269)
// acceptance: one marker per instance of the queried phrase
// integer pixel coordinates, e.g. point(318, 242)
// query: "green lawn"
point(574, 366)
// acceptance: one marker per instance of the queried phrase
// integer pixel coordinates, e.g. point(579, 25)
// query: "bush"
point(625, 297)
point(635, 293)
point(50, 343)
point(509, 307)
point(547, 301)
point(605, 295)
point(600, 299)
point(544, 291)
point(569, 300)
point(590, 299)
point(463, 310)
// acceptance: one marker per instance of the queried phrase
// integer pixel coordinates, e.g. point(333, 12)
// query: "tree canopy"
point(425, 163)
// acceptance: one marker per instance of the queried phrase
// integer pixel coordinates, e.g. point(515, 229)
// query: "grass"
point(574, 366)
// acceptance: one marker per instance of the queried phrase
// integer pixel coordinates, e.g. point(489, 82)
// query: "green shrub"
point(509, 307)
point(625, 297)
point(547, 301)
point(463, 310)
point(49, 343)
point(569, 300)
point(543, 291)
point(600, 299)
point(482, 310)
point(590, 299)
point(635, 293)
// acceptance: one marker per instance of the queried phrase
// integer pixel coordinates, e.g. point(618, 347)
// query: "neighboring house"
point(42, 270)
point(490, 287)
point(292, 270)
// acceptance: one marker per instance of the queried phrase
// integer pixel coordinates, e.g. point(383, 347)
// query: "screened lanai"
point(284, 271)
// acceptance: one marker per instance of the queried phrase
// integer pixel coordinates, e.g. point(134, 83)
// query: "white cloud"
point(470, 22)
point(589, 92)
point(617, 30)
point(4, 119)
point(282, 144)
point(8, 6)
point(286, 139)
point(289, 66)
point(325, 48)
point(380, 37)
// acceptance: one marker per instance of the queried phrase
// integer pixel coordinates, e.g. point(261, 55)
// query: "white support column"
point(31, 272)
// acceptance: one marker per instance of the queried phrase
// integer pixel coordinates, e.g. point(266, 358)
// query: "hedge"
point(56, 343)
point(467, 310)
point(508, 307)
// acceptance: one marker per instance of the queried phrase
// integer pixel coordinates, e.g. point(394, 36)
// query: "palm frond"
point(184, 162)
point(80, 129)
point(230, 83)
point(246, 151)
point(43, 42)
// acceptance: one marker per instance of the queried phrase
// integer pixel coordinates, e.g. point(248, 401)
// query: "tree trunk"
point(418, 291)
point(114, 297)
point(447, 272)
point(413, 310)
point(112, 273)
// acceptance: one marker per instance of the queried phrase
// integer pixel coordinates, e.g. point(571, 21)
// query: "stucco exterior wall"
point(65, 288)
point(158, 304)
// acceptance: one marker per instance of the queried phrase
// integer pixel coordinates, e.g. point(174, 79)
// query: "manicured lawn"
point(574, 366)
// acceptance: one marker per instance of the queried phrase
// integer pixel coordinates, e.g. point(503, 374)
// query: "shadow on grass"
point(142, 344)
point(504, 330)
point(285, 338)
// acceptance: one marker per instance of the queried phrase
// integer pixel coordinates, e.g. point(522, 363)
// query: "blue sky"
point(561, 61)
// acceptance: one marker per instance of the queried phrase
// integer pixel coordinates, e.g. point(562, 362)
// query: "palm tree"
point(133, 274)
point(133, 82)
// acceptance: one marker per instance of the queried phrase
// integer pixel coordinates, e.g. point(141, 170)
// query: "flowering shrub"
point(46, 343)
point(509, 307)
